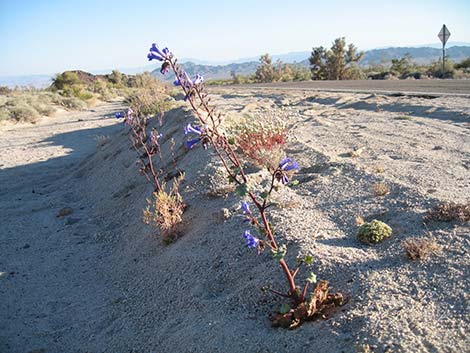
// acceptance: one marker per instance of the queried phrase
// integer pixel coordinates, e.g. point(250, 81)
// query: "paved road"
point(428, 87)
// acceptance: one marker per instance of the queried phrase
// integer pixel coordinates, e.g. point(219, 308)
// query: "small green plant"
point(420, 248)
point(380, 189)
point(373, 232)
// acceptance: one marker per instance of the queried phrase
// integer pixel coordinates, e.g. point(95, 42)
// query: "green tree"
point(265, 72)
point(336, 62)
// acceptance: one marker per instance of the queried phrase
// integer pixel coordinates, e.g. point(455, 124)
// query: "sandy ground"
point(98, 280)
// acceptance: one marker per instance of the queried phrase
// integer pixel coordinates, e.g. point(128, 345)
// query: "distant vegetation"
point(77, 90)
point(341, 61)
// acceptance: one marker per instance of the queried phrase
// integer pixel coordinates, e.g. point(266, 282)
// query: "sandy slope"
point(98, 280)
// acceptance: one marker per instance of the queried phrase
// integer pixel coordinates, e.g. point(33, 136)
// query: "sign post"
point(444, 35)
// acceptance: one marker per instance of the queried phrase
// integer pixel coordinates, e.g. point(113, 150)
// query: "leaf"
point(308, 259)
point(294, 182)
point(231, 140)
point(264, 194)
point(312, 278)
point(284, 308)
point(280, 253)
point(241, 190)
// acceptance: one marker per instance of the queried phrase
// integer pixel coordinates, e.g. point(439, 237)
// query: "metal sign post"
point(444, 35)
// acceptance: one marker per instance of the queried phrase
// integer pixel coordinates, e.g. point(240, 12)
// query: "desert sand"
point(80, 272)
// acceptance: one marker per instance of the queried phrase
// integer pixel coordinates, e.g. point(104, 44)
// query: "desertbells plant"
point(165, 209)
point(373, 232)
point(261, 234)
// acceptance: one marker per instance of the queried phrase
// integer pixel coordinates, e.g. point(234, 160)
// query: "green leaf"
point(294, 183)
point(308, 259)
point(312, 278)
point(231, 140)
point(280, 253)
point(241, 190)
point(284, 308)
point(264, 194)
point(230, 179)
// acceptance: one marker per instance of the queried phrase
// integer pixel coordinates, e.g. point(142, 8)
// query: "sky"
point(50, 36)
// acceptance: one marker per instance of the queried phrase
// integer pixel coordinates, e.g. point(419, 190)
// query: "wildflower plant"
point(165, 208)
point(259, 233)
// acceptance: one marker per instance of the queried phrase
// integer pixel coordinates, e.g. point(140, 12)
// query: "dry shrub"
point(450, 211)
point(149, 101)
point(380, 189)
point(420, 248)
point(321, 305)
point(261, 139)
point(165, 209)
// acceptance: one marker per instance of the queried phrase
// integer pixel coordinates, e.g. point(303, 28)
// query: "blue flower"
point(119, 115)
point(288, 164)
point(157, 54)
point(190, 144)
point(250, 241)
point(245, 207)
point(194, 129)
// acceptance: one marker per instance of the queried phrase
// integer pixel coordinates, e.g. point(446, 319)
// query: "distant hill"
point(424, 55)
point(420, 55)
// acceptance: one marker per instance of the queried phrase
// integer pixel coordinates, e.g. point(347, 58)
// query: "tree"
point(265, 72)
point(334, 63)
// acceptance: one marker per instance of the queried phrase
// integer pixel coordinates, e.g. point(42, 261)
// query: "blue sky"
point(49, 36)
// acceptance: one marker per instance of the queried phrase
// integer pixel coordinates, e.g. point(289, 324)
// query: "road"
point(426, 87)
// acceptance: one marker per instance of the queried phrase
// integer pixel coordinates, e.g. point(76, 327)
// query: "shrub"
point(23, 112)
point(165, 209)
point(450, 211)
point(380, 189)
point(64, 80)
point(373, 232)
point(261, 139)
point(149, 102)
point(420, 248)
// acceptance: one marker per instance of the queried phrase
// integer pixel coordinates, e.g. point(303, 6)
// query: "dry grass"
point(380, 189)
point(450, 211)
point(165, 210)
point(420, 248)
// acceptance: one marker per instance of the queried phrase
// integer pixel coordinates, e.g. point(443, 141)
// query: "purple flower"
point(154, 138)
point(194, 129)
point(165, 68)
point(288, 164)
point(119, 115)
point(190, 144)
point(245, 207)
point(157, 54)
point(129, 117)
point(284, 179)
point(199, 79)
point(250, 241)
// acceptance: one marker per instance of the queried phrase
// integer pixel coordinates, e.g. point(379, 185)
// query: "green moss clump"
point(373, 232)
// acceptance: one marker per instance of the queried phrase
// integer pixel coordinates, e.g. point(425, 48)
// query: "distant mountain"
point(213, 72)
point(423, 55)
point(36, 81)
